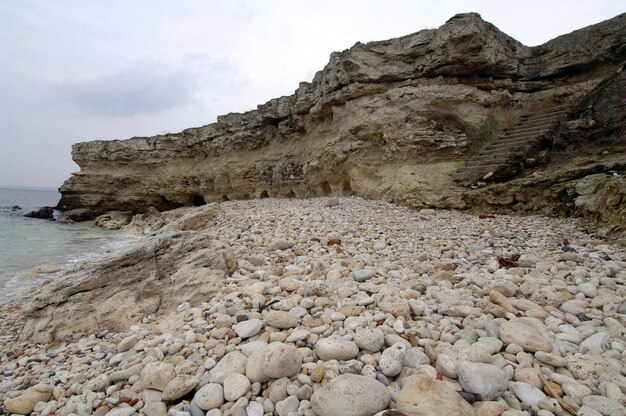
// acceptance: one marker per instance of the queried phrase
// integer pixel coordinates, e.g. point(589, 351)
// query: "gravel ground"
point(353, 307)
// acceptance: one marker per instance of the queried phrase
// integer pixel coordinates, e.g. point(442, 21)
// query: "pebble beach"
point(352, 307)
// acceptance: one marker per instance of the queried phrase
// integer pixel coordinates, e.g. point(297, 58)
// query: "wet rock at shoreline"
point(44, 213)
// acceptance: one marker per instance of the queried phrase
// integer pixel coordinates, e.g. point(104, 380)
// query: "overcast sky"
point(74, 71)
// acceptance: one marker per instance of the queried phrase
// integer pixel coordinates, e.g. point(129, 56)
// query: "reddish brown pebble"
point(318, 374)
point(338, 249)
point(125, 399)
point(334, 241)
point(231, 334)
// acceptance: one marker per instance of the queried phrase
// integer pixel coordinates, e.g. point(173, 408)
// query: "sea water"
point(28, 242)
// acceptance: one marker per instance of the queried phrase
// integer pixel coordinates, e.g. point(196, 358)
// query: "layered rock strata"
point(386, 120)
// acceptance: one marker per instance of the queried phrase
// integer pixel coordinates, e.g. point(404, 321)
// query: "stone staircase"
point(504, 157)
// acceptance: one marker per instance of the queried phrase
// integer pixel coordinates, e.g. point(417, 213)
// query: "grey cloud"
point(147, 87)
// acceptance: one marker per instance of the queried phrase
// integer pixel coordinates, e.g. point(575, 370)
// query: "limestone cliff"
point(388, 119)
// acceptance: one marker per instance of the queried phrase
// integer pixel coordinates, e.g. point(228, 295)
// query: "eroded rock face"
point(151, 276)
point(382, 120)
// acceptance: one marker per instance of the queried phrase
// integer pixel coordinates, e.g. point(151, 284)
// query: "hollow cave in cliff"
point(197, 200)
point(326, 189)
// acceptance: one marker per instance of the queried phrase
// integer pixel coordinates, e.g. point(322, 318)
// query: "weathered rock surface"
point(44, 213)
point(152, 276)
point(350, 395)
point(424, 396)
point(386, 120)
point(25, 403)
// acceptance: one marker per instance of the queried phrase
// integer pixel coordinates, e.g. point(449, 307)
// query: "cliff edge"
point(389, 120)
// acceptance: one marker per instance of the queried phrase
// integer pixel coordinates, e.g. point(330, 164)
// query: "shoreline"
point(405, 304)
point(19, 284)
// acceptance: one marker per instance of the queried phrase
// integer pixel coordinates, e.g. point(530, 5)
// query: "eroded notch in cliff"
point(347, 188)
point(197, 200)
point(326, 189)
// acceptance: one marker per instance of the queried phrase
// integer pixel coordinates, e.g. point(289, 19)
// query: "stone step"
point(470, 174)
point(507, 148)
point(498, 157)
point(528, 129)
point(521, 136)
point(556, 109)
point(515, 141)
point(541, 117)
point(509, 143)
point(540, 123)
point(513, 151)
point(480, 164)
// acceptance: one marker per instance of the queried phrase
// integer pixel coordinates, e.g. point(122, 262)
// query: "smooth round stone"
point(415, 357)
point(122, 411)
point(298, 311)
point(336, 349)
point(598, 342)
point(281, 320)
point(528, 260)
point(155, 409)
point(518, 332)
point(589, 289)
point(446, 366)
point(289, 285)
point(179, 386)
point(235, 386)
point(362, 275)
point(485, 379)
point(576, 390)
point(604, 405)
point(370, 339)
point(25, 403)
point(588, 411)
point(233, 362)
point(575, 306)
point(249, 328)
point(210, 396)
point(287, 406)
point(98, 383)
point(281, 360)
point(551, 359)
point(156, 375)
point(529, 375)
point(254, 368)
point(527, 394)
point(127, 343)
point(250, 348)
point(254, 409)
point(298, 335)
point(350, 395)
point(392, 359)
point(366, 301)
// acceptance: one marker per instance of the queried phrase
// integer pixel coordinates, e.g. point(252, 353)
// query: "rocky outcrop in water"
point(390, 120)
